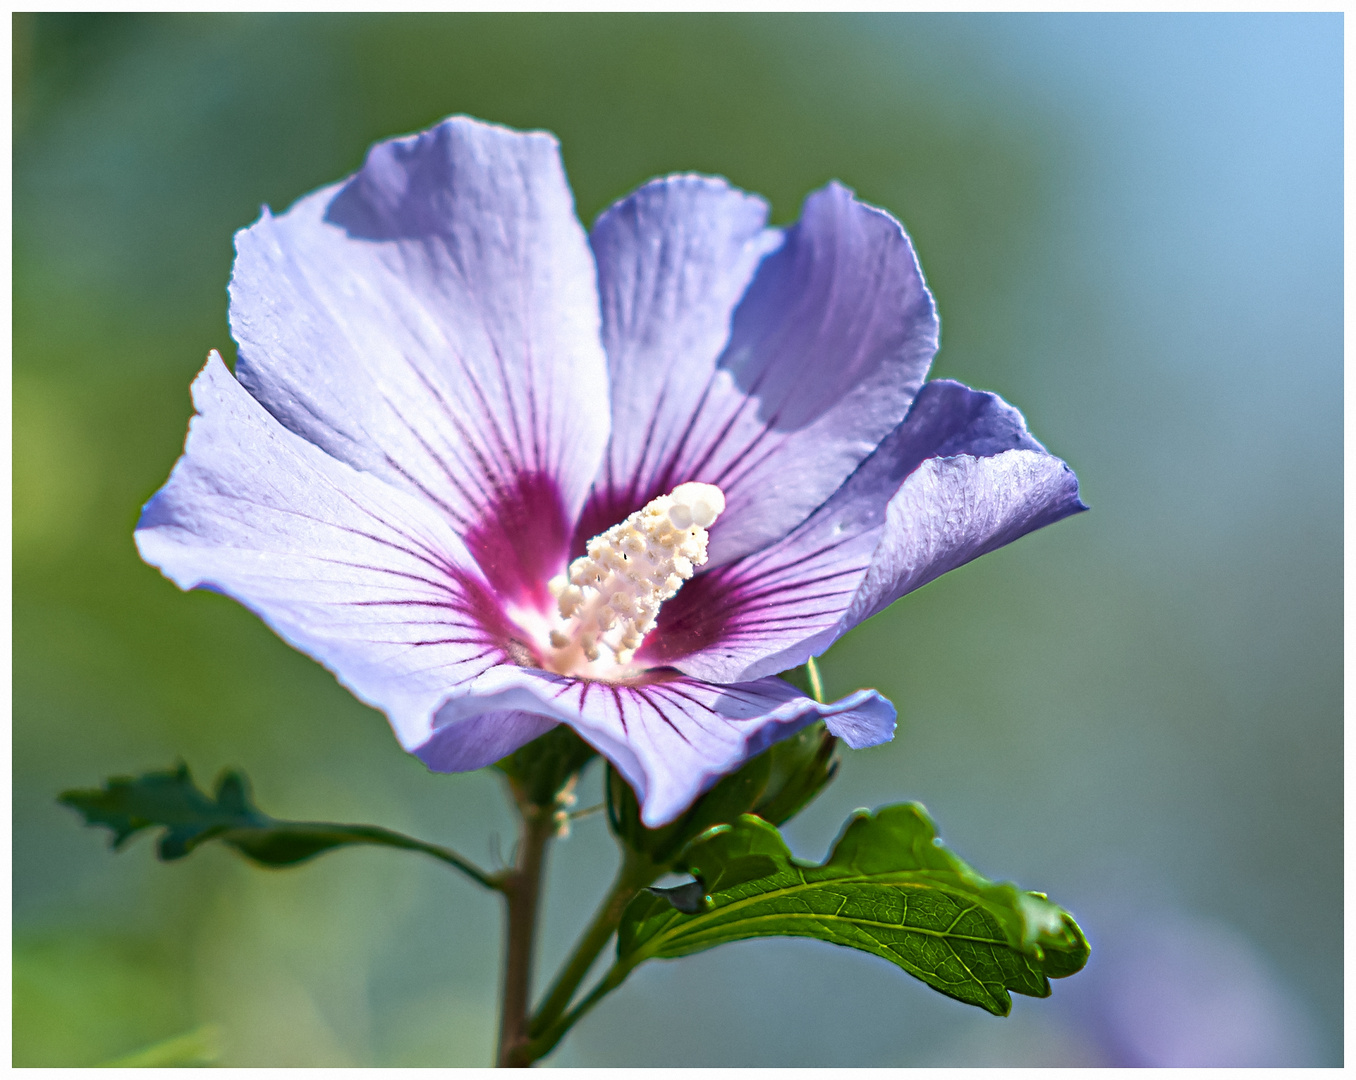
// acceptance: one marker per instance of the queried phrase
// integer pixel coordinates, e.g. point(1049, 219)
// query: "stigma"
point(609, 598)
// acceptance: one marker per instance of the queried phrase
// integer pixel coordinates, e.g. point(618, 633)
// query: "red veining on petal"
point(487, 611)
point(697, 617)
point(521, 540)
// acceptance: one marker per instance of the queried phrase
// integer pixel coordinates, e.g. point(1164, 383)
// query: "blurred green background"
point(1133, 228)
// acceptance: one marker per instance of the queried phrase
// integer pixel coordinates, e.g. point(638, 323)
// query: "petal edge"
point(673, 737)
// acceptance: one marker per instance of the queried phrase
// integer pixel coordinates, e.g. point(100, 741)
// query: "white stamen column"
point(611, 596)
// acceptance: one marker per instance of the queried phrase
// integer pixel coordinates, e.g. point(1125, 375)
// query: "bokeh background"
point(1133, 228)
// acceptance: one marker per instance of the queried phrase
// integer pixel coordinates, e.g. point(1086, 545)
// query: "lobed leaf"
point(889, 888)
point(170, 800)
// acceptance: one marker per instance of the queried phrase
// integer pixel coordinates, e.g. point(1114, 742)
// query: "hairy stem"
point(633, 875)
point(521, 887)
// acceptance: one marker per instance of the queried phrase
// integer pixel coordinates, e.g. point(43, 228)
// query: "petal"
point(960, 477)
point(672, 737)
point(358, 574)
point(674, 259)
point(826, 350)
point(434, 321)
point(480, 740)
point(952, 510)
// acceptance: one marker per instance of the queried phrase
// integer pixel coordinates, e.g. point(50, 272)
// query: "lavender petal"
point(434, 321)
point(674, 259)
point(480, 740)
point(960, 477)
point(673, 737)
point(826, 349)
point(952, 510)
point(352, 571)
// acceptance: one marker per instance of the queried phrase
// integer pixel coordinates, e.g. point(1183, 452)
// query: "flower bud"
point(776, 785)
point(731, 796)
point(801, 767)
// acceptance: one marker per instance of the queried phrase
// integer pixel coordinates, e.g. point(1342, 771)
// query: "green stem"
point(382, 837)
point(634, 874)
point(544, 1043)
point(522, 892)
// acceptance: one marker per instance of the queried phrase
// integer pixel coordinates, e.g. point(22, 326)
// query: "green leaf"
point(889, 888)
point(172, 801)
point(127, 805)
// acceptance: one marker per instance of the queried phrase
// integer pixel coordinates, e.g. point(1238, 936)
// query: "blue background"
point(1133, 226)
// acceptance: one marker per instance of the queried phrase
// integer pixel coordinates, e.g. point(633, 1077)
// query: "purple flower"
point(445, 388)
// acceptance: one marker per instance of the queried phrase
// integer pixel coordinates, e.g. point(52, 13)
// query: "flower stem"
point(521, 887)
point(634, 874)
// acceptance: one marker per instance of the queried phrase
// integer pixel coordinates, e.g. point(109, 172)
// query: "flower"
point(445, 389)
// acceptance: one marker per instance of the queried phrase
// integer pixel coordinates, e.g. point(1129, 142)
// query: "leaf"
point(889, 888)
point(128, 805)
point(172, 801)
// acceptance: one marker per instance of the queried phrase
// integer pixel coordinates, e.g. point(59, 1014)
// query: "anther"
point(611, 596)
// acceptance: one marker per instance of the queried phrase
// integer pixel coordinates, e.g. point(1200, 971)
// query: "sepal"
point(545, 767)
point(801, 767)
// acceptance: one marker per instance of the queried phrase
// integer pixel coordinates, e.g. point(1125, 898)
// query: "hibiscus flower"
point(498, 474)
